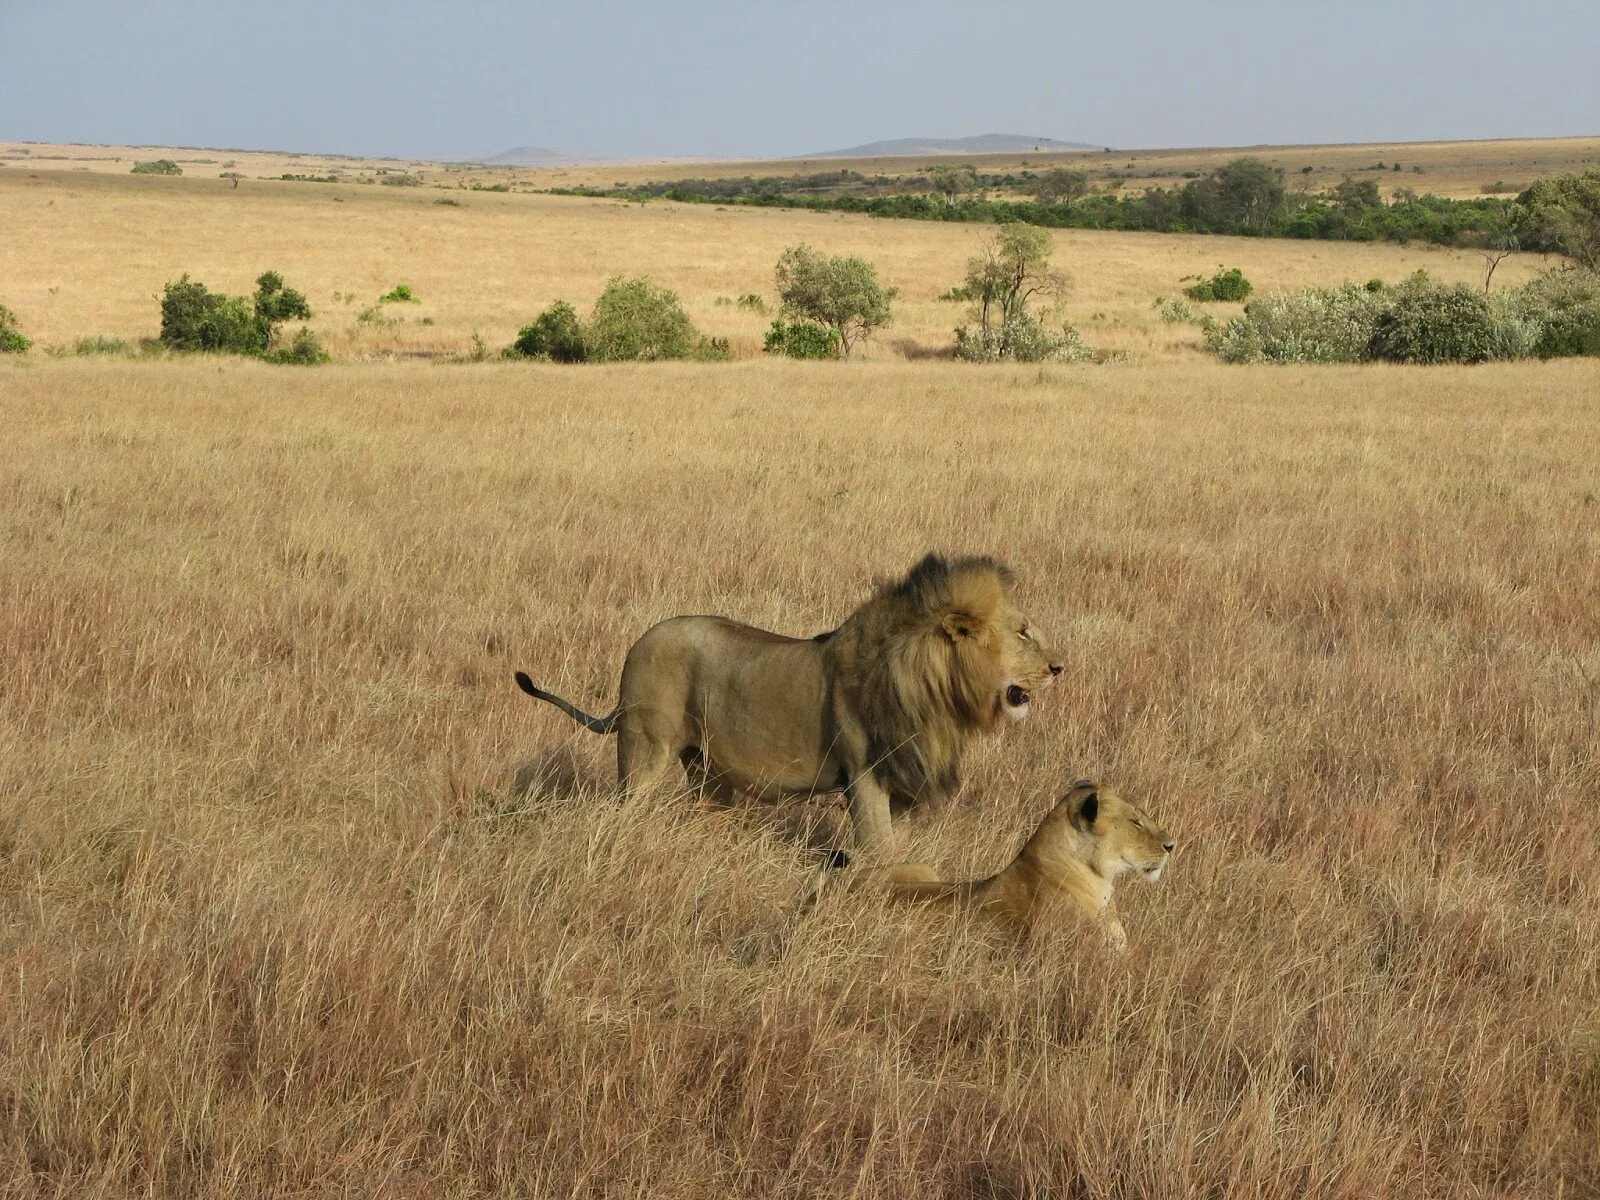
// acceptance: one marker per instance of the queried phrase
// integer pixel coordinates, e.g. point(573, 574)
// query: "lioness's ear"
point(958, 625)
point(1089, 809)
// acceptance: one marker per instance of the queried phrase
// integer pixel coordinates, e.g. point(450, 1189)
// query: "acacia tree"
point(1242, 196)
point(1251, 191)
point(841, 293)
point(1564, 211)
point(1009, 271)
point(1061, 184)
point(950, 181)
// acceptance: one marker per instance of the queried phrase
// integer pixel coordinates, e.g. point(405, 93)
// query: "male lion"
point(1069, 865)
point(881, 708)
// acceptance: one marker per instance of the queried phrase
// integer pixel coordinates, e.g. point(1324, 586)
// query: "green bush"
point(1225, 285)
point(801, 339)
point(635, 320)
point(1426, 322)
point(304, 350)
point(1514, 331)
point(193, 318)
point(12, 339)
point(1175, 310)
point(554, 335)
point(401, 293)
point(1566, 306)
point(1317, 325)
point(375, 316)
point(159, 166)
point(1418, 322)
point(1022, 338)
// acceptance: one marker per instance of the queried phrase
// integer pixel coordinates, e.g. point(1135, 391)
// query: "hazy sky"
point(714, 77)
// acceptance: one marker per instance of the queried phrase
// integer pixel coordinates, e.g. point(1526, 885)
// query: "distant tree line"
point(1246, 197)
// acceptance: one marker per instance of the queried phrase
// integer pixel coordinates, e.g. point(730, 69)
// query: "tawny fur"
point(881, 708)
point(1066, 871)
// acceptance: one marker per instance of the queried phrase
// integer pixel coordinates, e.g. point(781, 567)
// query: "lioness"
point(1070, 864)
point(881, 708)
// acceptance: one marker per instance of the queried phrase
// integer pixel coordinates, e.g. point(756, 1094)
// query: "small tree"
point(841, 293)
point(951, 181)
point(159, 166)
point(1565, 210)
point(1060, 185)
point(275, 304)
point(1008, 272)
point(233, 175)
point(1356, 195)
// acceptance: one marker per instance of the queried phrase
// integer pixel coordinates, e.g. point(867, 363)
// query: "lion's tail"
point(605, 724)
point(928, 889)
point(901, 881)
point(907, 881)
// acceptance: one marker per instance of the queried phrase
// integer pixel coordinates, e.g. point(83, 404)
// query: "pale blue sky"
point(716, 77)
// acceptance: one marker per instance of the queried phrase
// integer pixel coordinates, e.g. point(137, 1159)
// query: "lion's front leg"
point(869, 807)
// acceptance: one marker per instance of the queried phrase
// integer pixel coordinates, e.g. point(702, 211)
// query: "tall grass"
point(276, 920)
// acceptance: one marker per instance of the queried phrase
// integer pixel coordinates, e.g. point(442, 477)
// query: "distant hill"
point(538, 156)
point(983, 143)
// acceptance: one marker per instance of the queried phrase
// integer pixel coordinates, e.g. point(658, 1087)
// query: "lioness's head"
point(1112, 834)
point(996, 659)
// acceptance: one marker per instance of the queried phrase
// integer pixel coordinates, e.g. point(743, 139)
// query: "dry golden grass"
point(88, 255)
point(276, 923)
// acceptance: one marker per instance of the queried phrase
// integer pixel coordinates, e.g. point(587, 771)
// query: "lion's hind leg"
point(707, 783)
point(643, 759)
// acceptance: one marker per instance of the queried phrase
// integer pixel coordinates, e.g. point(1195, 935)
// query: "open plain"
point(299, 896)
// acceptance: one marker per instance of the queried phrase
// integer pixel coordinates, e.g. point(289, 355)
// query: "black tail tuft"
point(526, 684)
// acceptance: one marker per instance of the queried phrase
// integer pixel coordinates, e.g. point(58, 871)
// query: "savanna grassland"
point(299, 897)
point(1454, 169)
point(88, 254)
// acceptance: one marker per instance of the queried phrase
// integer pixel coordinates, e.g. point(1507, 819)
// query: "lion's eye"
point(1025, 635)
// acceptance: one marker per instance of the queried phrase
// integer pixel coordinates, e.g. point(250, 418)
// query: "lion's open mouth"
point(1017, 700)
point(1153, 874)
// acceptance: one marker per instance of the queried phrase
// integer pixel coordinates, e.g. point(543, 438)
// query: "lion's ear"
point(1089, 808)
point(959, 625)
